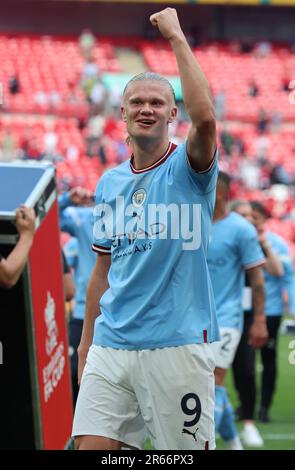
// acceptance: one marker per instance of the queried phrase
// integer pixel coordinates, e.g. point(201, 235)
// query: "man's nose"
point(146, 108)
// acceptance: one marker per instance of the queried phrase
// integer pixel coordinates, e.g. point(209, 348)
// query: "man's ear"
point(123, 114)
point(173, 115)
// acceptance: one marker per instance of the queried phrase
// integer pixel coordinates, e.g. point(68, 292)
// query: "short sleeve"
point(290, 289)
point(71, 252)
point(203, 182)
point(251, 253)
point(288, 280)
point(101, 240)
point(286, 259)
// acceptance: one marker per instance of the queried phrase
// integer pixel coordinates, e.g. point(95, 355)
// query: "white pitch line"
point(279, 437)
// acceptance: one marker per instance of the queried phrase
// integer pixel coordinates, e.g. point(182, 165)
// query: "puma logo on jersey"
point(186, 431)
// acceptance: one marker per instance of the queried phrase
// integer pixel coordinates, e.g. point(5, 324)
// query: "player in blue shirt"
point(78, 222)
point(149, 366)
point(290, 289)
point(234, 250)
point(244, 362)
point(71, 250)
point(274, 305)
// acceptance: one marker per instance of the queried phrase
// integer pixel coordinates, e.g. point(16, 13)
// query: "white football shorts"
point(166, 394)
point(225, 349)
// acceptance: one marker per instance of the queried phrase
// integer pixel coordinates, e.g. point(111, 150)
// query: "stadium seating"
point(47, 65)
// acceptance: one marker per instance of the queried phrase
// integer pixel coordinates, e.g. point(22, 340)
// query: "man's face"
point(148, 107)
point(245, 210)
point(258, 220)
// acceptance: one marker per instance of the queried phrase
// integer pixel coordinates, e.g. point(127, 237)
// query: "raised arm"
point(195, 89)
point(98, 284)
point(273, 264)
point(75, 197)
point(12, 267)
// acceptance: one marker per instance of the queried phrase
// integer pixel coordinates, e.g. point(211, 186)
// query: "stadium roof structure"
point(206, 2)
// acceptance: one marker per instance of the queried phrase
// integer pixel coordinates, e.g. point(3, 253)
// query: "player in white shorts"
point(160, 393)
point(150, 366)
point(234, 250)
point(225, 349)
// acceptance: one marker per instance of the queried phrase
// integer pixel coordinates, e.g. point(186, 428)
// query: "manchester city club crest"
point(138, 197)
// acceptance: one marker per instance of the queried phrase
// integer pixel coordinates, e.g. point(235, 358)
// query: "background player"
point(244, 361)
point(274, 305)
point(78, 221)
point(233, 250)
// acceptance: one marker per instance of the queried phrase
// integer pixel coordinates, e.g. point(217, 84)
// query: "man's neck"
point(146, 153)
point(220, 212)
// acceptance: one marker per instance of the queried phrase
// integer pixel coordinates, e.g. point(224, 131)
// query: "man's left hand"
point(258, 334)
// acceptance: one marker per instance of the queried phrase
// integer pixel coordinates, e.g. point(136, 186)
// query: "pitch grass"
point(279, 434)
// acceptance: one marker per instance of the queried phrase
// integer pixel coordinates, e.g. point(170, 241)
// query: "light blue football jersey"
point(160, 292)
point(78, 222)
point(71, 251)
point(274, 285)
point(233, 249)
point(290, 289)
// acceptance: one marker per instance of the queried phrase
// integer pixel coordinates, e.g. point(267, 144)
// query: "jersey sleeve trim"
point(261, 262)
point(207, 169)
point(101, 249)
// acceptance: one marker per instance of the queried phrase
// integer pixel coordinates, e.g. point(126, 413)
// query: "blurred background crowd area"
point(64, 65)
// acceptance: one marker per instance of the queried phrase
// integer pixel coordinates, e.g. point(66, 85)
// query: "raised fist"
point(168, 23)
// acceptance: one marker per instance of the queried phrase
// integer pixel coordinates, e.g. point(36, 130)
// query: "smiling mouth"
point(145, 122)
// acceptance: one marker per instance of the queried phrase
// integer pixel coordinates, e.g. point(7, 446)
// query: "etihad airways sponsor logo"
point(154, 221)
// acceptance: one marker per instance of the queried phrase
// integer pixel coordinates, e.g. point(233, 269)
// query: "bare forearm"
point(96, 288)
point(69, 287)
point(258, 331)
point(17, 259)
point(195, 87)
point(273, 264)
point(98, 284)
point(258, 301)
point(256, 280)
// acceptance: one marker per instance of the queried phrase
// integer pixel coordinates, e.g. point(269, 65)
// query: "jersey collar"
point(170, 149)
